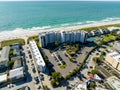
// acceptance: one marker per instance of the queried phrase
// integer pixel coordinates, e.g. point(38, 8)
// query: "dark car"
point(36, 80)
point(30, 56)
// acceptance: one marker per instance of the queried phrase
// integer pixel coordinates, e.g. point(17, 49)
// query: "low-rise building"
point(37, 56)
point(114, 82)
point(113, 28)
point(81, 87)
point(17, 50)
point(16, 73)
point(113, 58)
point(3, 78)
point(4, 56)
point(99, 88)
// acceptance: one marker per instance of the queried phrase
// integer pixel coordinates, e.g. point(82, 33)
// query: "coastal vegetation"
point(97, 27)
point(33, 38)
point(36, 40)
point(10, 42)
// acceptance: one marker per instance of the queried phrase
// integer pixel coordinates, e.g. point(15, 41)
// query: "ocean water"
point(55, 14)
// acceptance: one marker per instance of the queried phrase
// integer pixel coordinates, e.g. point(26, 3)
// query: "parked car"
point(38, 87)
point(36, 79)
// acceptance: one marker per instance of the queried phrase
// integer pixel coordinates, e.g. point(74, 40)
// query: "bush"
point(63, 66)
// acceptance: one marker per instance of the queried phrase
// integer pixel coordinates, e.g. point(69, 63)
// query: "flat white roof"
point(16, 72)
point(115, 55)
point(37, 54)
point(81, 87)
point(117, 58)
point(3, 78)
point(114, 82)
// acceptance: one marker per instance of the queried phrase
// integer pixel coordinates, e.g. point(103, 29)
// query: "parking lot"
point(70, 65)
point(32, 76)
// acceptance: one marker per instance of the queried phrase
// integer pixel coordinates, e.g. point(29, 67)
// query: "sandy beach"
point(25, 33)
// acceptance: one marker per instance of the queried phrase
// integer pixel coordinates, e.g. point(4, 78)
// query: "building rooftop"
point(115, 55)
point(81, 87)
point(113, 28)
point(5, 53)
point(16, 72)
point(37, 54)
point(112, 53)
point(114, 82)
point(3, 78)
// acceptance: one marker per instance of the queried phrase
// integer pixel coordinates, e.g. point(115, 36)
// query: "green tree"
point(97, 60)
point(103, 53)
point(95, 71)
point(56, 78)
point(92, 85)
point(57, 43)
point(10, 64)
point(53, 83)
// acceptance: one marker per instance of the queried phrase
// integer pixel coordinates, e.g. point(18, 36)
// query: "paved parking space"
point(70, 65)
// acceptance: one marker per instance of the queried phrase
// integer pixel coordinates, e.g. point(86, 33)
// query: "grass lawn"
point(10, 42)
point(108, 38)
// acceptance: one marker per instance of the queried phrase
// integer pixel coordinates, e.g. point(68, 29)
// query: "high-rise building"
point(62, 36)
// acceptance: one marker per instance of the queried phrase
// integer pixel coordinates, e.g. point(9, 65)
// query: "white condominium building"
point(62, 36)
point(37, 56)
point(113, 58)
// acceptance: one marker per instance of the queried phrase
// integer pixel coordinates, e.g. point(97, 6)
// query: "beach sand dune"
point(24, 33)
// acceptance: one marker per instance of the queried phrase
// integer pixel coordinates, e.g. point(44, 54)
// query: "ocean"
point(45, 15)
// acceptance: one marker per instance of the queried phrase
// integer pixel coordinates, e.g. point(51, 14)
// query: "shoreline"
point(24, 34)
